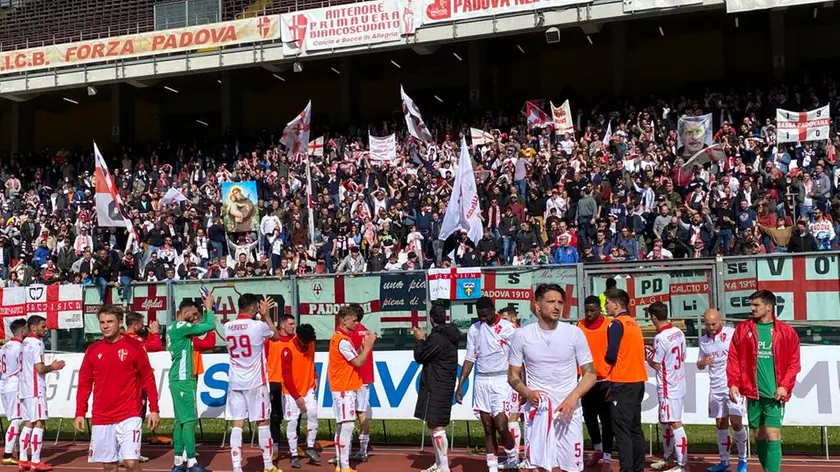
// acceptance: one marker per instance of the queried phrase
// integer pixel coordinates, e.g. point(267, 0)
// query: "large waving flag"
point(562, 119)
point(463, 211)
point(296, 135)
point(480, 137)
point(537, 118)
point(109, 211)
point(416, 126)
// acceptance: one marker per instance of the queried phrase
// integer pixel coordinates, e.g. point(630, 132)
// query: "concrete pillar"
point(230, 105)
point(777, 44)
point(618, 33)
point(22, 129)
point(345, 83)
point(122, 114)
point(475, 60)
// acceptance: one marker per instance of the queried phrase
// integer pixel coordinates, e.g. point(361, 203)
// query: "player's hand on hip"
point(301, 404)
point(153, 420)
point(781, 394)
point(532, 397)
point(79, 424)
point(734, 394)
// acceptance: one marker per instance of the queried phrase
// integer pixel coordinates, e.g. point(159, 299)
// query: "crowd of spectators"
point(545, 198)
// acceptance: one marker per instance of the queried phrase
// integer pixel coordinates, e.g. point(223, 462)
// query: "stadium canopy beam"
point(142, 83)
point(21, 98)
point(425, 49)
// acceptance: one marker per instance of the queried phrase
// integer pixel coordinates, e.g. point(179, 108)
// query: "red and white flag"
point(61, 305)
point(316, 147)
point(413, 120)
point(12, 307)
point(536, 117)
point(792, 127)
point(562, 119)
point(296, 135)
point(480, 137)
point(109, 211)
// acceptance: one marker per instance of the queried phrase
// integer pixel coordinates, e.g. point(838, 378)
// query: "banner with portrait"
point(694, 133)
point(239, 207)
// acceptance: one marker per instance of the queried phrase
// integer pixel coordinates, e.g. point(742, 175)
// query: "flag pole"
point(310, 201)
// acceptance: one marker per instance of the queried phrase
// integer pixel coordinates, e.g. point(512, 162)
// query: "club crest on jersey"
point(723, 336)
point(122, 354)
point(469, 288)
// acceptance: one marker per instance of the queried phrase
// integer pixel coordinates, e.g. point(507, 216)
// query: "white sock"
point(364, 440)
point(192, 462)
point(492, 463)
point(37, 444)
point(291, 435)
point(607, 457)
point(741, 442)
point(724, 443)
point(311, 428)
point(12, 433)
point(25, 437)
point(236, 447)
point(266, 445)
point(517, 435)
point(512, 455)
point(680, 446)
point(667, 441)
point(441, 445)
point(598, 447)
point(345, 437)
point(179, 460)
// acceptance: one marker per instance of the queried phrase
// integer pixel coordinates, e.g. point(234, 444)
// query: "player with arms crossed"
point(345, 381)
point(488, 345)
point(33, 395)
point(10, 363)
point(552, 352)
point(668, 361)
point(714, 350)
point(299, 385)
point(248, 397)
point(117, 371)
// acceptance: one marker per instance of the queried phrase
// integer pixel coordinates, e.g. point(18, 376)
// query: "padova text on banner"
point(441, 11)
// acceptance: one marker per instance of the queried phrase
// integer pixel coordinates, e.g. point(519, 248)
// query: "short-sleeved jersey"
point(11, 358)
point(180, 345)
point(488, 346)
point(32, 384)
point(245, 340)
point(717, 348)
point(551, 358)
point(669, 352)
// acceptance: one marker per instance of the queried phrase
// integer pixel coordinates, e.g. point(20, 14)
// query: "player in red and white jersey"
point(668, 361)
point(248, 396)
point(33, 394)
point(714, 351)
point(10, 364)
point(550, 353)
point(514, 404)
point(487, 348)
point(117, 371)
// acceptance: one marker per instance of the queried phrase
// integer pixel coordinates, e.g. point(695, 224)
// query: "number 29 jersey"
point(669, 352)
point(245, 339)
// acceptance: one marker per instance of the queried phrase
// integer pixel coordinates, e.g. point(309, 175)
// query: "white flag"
point(382, 149)
point(109, 204)
point(562, 118)
point(792, 127)
point(463, 210)
point(480, 137)
point(296, 135)
point(173, 196)
point(413, 120)
point(316, 147)
point(607, 135)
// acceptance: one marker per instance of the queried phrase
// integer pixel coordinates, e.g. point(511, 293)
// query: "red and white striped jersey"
point(10, 364)
point(669, 352)
point(32, 384)
point(245, 339)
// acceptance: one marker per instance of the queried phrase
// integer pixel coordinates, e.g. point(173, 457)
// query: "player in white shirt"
point(33, 395)
point(668, 361)
point(714, 351)
point(551, 353)
point(10, 364)
point(515, 412)
point(248, 398)
point(488, 345)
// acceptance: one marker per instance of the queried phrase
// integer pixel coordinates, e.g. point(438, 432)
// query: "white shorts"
point(551, 443)
point(491, 395)
point(363, 400)
point(252, 405)
point(514, 405)
point(344, 406)
point(720, 406)
point(110, 443)
point(34, 409)
point(11, 405)
point(292, 412)
point(671, 410)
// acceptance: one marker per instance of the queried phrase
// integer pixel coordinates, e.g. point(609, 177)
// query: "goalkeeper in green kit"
point(182, 380)
point(762, 365)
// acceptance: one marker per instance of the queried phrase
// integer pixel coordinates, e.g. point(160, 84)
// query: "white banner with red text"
point(356, 24)
point(191, 38)
point(815, 400)
point(382, 149)
point(441, 11)
point(61, 305)
point(792, 127)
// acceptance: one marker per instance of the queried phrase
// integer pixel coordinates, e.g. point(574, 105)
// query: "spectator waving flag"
point(316, 147)
point(296, 135)
point(562, 119)
point(536, 117)
point(463, 210)
point(108, 202)
point(480, 137)
point(607, 135)
point(413, 120)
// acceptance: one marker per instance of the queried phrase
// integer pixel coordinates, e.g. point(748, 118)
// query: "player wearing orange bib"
point(344, 378)
point(299, 386)
point(595, 405)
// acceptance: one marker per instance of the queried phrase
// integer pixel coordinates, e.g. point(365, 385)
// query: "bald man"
point(714, 350)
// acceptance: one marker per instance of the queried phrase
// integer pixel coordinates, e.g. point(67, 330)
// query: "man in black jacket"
point(439, 357)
